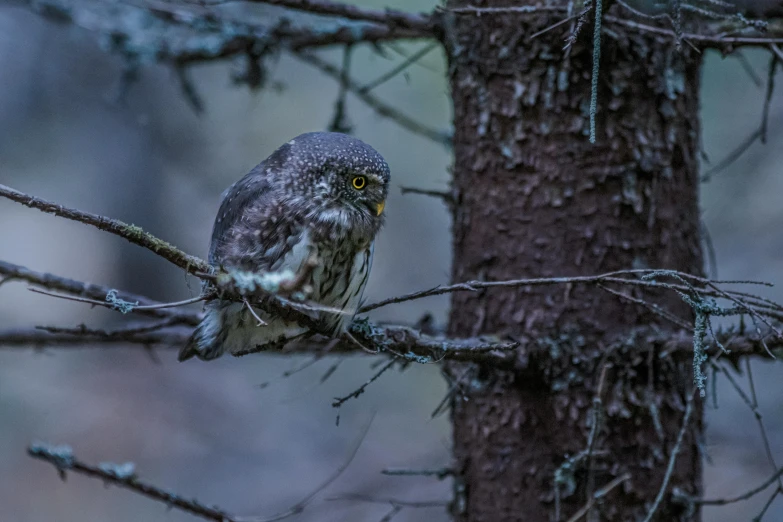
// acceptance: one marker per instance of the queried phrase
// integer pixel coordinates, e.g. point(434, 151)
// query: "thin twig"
point(523, 9)
point(595, 429)
point(300, 506)
point(62, 458)
point(708, 40)
point(773, 63)
point(107, 304)
point(734, 155)
point(390, 500)
point(775, 48)
point(375, 104)
point(339, 401)
point(757, 413)
point(124, 476)
point(339, 121)
point(748, 67)
point(553, 26)
point(672, 458)
point(447, 197)
point(625, 277)
point(739, 498)
point(440, 473)
point(410, 60)
point(598, 495)
point(121, 333)
point(766, 505)
point(91, 291)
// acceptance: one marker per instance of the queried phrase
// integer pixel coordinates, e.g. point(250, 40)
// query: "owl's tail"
point(208, 338)
point(229, 327)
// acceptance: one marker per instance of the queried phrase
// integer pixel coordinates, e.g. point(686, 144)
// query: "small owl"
point(321, 194)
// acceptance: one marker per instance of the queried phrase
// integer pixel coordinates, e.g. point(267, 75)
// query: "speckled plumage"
point(298, 202)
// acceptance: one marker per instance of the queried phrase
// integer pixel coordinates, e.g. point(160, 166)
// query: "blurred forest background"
point(235, 432)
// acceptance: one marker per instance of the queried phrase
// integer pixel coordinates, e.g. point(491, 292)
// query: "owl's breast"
point(339, 281)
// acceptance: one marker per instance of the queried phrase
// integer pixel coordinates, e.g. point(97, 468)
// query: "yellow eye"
point(359, 182)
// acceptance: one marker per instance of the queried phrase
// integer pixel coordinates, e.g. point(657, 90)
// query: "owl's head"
point(341, 181)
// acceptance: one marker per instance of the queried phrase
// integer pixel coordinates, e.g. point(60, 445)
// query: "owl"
point(321, 194)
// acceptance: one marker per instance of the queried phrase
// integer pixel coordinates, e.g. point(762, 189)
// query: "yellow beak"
point(379, 208)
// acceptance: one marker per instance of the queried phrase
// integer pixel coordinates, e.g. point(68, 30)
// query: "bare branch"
point(422, 23)
point(124, 332)
point(598, 495)
point(62, 337)
point(739, 498)
point(447, 197)
point(637, 277)
point(132, 233)
point(412, 345)
point(735, 154)
point(375, 104)
point(672, 458)
point(123, 475)
point(62, 458)
point(777, 56)
point(91, 291)
point(225, 37)
point(299, 506)
point(390, 500)
point(388, 75)
point(339, 401)
point(127, 306)
point(440, 473)
point(707, 40)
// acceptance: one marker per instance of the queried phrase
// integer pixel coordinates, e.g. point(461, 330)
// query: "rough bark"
point(537, 199)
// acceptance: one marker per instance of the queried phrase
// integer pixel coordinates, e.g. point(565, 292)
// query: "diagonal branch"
point(62, 458)
point(132, 233)
point(739, 498)
point(383, 109)
point(124, 476)
point(672, 458)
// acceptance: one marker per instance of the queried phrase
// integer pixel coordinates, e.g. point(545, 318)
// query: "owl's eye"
point(359, 182)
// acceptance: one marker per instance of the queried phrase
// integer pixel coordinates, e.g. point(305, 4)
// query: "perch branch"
point(408, 340)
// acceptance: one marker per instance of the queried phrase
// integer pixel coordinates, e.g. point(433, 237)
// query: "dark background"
point(209, 430)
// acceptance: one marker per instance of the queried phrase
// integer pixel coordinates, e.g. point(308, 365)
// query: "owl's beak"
point(379, 208)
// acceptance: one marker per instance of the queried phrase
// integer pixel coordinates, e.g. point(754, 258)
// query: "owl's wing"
point(249, 191)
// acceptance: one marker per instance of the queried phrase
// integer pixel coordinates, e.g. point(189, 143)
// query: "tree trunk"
point(536, 199)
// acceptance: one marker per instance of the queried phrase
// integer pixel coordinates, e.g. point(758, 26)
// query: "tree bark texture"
point(537, 199)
